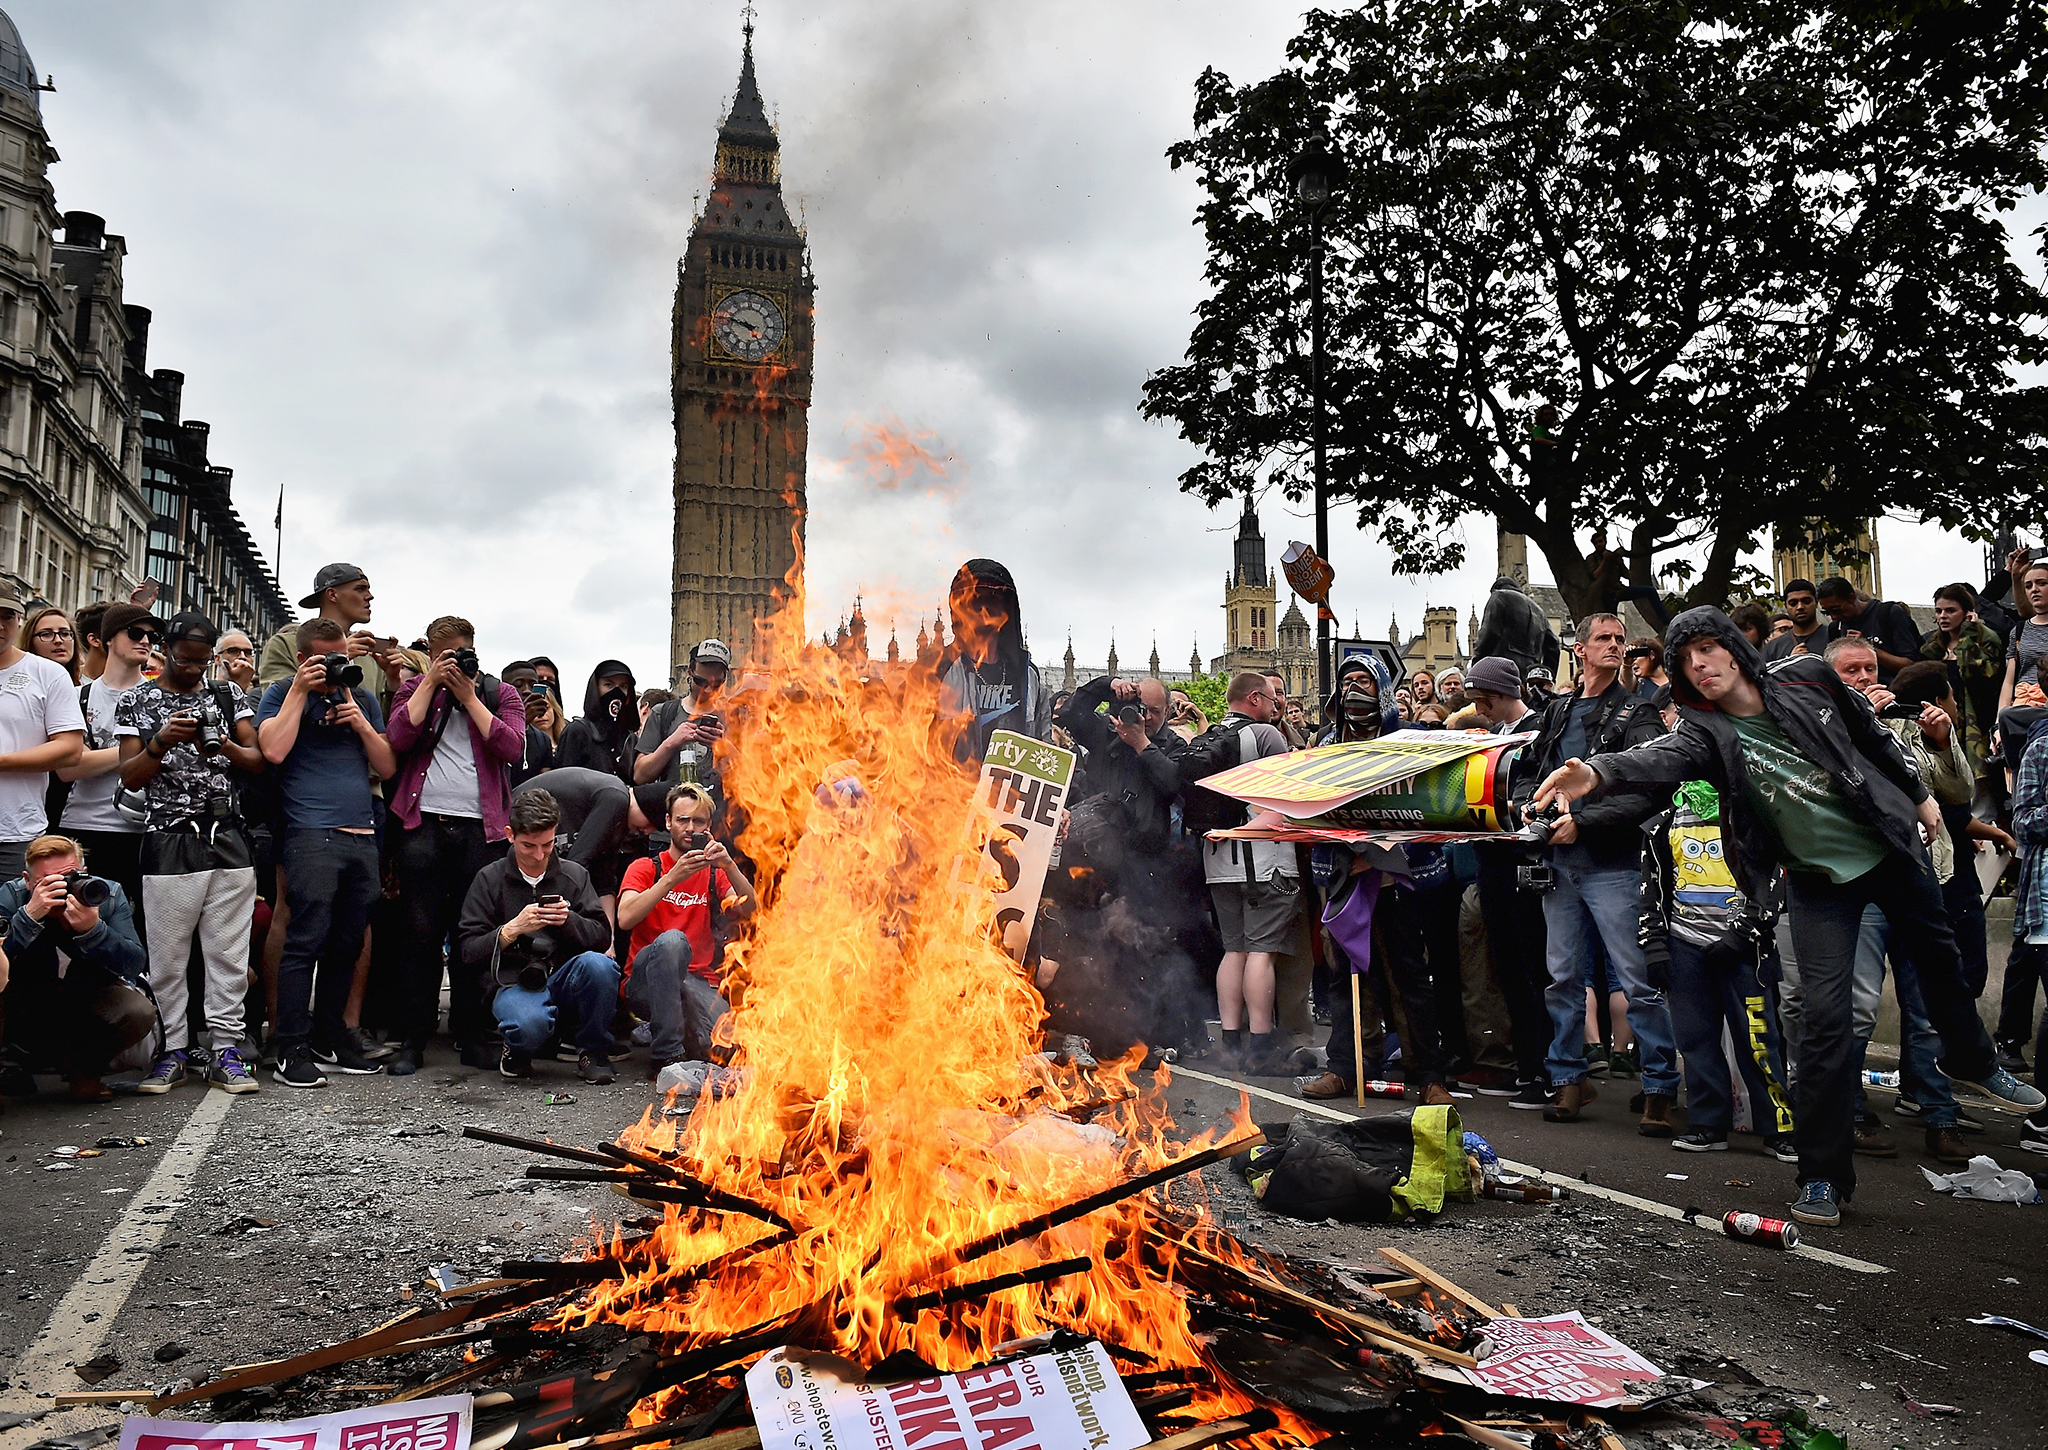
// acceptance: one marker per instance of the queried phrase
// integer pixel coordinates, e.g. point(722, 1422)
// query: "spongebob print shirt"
point(1704, 897)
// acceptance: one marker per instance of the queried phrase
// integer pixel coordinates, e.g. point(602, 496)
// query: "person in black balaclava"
point(602, 737)
point(986, 677)
point(1362, 707)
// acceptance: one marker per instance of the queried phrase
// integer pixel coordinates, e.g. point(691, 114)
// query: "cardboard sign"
point(1313, 783)
point(1565, 1359)
point(1067, 1400)
point(437, 1424)
point(1012, 829)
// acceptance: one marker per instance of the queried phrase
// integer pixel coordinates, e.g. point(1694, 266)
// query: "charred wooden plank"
point(685, 1183)
point(1437, 1281)
point(536, 1145)
point(911, 1304)
point(571, 1271)
point(586, 1175)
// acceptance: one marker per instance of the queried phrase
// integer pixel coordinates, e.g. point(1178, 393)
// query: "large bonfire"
point(892, 1102)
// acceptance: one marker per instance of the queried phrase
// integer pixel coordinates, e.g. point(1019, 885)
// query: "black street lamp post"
point(1316, 174)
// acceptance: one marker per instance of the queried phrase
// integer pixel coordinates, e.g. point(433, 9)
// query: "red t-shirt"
point(685, 907)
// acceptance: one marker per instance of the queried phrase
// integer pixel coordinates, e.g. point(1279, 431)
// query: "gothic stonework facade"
point(1256, 636)
point(742, 388)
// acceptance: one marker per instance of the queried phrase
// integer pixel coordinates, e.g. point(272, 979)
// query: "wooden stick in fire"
point(537, 1145)
point(911, 1304)
point(711, 1197)
point(1081, 1207)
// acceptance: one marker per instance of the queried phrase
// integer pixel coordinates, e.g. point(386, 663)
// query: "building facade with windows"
point(76, 431)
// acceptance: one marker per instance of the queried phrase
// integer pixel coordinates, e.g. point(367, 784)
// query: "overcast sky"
point(417, 260)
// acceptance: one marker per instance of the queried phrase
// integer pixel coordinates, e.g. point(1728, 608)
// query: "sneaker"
point(231, 1072)
point(595, 1067)
point(2011, 1058)
point(1488, 1082)
point(1947, 1145)
point(405, 1061)
point(170, 1071)
point(1907, 1108)
point(366, 1044)
point(2034, 1136)
point(299, 1070)
point(1818, 1203)
point(1701, 1141)
point(17, 1081)
point(1571, 1098)
point(1532, 1097)
point(2008, 1091)
point(643, 1034)
point(266, 1053)
point(1874, 1139)
point(514, 1064)
point(1598, 1060)
point(1624, 1063)
point(343, 1057)
point(1782, 1149)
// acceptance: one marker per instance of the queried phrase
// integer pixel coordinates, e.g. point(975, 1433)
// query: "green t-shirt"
point(1818, 830)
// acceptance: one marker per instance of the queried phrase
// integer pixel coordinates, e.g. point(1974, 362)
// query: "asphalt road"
point(249, 1228)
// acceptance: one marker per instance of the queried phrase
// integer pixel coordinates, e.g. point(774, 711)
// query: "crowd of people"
point(1731, 831)
point(218, 857)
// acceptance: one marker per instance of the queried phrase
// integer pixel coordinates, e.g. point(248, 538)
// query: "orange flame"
point(895, 1104)
point(891, 456)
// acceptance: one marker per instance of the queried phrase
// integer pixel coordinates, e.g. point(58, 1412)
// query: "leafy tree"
point(1637, 280)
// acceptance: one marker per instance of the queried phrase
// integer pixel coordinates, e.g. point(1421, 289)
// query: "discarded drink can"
point(1521, 1190)
point(1880, 1079)
point(1755, 1227)
point(1379, 1088)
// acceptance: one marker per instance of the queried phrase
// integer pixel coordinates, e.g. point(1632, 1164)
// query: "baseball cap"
point(9, 600)
point(331, 576)
point(1495, 675)
point(713, 651)
point(190, 624)
point(126, 616)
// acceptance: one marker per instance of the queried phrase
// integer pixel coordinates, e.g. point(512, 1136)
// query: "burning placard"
point(438, 1424)
point(1068, 1398)
point(1015, 821)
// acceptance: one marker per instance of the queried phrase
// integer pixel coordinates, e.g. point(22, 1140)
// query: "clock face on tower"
point(747, 325)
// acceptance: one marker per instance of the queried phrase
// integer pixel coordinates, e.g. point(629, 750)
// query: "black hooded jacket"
point(1513, 626)
point(601, 738)
point(1826, 721)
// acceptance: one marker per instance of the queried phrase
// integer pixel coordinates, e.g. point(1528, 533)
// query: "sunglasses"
point(142, 634)
point(705, 684)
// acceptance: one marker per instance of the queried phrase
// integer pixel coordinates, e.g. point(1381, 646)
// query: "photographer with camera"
point(180, 734)
point(1130, 752)
point(1595, 858)
point(458, 733)
point(674, 907)
point(534, 936)
point(323, 734)
point(76, 967)
point(1808, 780)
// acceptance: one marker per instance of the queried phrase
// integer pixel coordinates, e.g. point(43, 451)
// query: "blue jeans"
point(331, 878)
point(586, 986)
point(681, 1008)
point(1919, 1044)
point(1588, 904)
point(1706, 992)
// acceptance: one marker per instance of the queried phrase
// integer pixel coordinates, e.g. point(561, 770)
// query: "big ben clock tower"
point(742, 388)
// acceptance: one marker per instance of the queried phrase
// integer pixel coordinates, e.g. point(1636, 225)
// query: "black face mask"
point(612, 704)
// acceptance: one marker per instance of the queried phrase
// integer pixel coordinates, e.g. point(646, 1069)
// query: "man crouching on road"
point(1808, 779)
point(533, 930)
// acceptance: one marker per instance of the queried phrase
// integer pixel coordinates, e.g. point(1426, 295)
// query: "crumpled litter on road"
point(1999, 1321)
point(1985, 1180)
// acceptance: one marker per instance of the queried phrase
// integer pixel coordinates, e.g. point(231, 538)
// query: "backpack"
point(1219, 748)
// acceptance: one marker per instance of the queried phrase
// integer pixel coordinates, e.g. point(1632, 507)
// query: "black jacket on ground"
point(1146, 781)
point(598, 739)
point(500, 893)
point(1513, 627)
point(1609, 827)
point(1826, 721)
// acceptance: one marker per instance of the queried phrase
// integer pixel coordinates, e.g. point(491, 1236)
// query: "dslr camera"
point(1131, 712)
point(341, 671)
point(466, 661)
point(212, 729)
point(1538, 822)
point(86, 889)
point(1899, 710)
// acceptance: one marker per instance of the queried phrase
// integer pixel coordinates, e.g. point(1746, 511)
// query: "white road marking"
point(1529, 1170)
point(79, 1327)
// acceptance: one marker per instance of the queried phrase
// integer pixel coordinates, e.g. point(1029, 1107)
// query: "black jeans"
point(437, 860)
point(1709, 990)
point(2016, 1000)
point(1398, 953)
point(1517, 955)
point(330, 880)
point(117, 855)
point(1965, 902)
point(1825, 917)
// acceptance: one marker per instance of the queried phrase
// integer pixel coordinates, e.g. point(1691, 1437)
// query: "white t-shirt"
point(91, 806)
point(450, 788)
point(37, 700)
